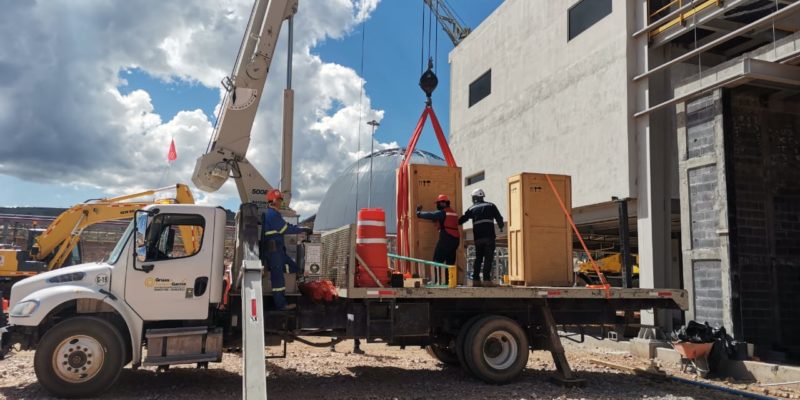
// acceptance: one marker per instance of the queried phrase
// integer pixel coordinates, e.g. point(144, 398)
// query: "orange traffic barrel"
point(371, 248)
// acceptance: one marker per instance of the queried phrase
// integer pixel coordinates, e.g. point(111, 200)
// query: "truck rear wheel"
point(443, 354)
point(496, 349)
point(461, 338)
point(79, 357)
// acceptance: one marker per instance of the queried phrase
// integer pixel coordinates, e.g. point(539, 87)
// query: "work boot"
point(476, 283)
point(489, 284)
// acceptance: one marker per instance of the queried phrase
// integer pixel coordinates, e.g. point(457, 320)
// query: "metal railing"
point(677, 16)
point(441, 275)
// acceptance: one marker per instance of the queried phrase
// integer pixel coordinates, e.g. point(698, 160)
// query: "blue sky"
point(391, 69)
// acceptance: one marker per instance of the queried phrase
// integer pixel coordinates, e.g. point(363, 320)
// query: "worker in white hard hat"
point(483, 215)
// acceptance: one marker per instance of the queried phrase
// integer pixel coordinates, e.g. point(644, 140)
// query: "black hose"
point(722, 389)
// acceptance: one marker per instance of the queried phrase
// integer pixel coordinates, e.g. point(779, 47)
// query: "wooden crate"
point(425, 183)
point(539, 234)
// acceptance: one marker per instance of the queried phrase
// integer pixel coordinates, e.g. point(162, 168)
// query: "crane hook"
point(428, 81)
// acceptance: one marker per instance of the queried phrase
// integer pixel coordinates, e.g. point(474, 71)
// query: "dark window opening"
point(475, 178)
point(480, 88)
point(586, 13)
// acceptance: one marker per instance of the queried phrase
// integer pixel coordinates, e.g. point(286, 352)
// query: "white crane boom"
point(226, 154)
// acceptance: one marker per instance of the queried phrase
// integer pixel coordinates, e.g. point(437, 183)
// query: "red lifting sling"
point(403, 208)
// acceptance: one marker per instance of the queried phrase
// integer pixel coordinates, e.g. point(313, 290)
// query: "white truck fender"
point(52, 297)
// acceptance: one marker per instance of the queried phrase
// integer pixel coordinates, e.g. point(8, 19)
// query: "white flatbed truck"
point(152, 305)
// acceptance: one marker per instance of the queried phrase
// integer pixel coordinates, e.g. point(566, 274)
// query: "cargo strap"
point(604, 283)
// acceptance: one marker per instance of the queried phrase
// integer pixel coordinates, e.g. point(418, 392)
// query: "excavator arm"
point(57, 242)
point(226, 154)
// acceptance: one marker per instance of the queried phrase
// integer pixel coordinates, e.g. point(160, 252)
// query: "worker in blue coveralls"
point(273, 249)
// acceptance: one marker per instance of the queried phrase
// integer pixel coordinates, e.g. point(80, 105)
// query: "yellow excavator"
point(51, 248)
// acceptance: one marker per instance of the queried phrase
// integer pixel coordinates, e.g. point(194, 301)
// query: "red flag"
point(172, 155)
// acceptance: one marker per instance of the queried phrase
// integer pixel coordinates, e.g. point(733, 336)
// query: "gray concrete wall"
point(556, 106)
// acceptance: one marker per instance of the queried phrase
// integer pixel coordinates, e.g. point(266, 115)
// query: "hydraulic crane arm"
point(56, 243)
point(226, 155)
point(448, 20)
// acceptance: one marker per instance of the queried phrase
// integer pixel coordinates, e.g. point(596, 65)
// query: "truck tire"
point(79, 357)
point(443, 354)
point(461, 338)
point(496, 349)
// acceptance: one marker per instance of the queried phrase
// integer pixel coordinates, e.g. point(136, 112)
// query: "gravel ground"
point(382, 373)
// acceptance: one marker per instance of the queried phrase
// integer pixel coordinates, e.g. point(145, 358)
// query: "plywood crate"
point(425, 183)
point(539, 234)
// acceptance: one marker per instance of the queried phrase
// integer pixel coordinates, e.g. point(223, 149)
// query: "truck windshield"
point(114, 256)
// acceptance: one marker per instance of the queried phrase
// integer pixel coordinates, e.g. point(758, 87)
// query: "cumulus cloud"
point(63, 119)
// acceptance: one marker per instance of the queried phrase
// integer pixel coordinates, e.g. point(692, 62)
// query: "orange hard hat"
point(442, 197)
point(273, 195)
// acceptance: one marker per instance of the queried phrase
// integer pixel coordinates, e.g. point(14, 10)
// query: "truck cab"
point(87, 321)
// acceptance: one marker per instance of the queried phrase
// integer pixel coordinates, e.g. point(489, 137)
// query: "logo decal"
point(101, 279)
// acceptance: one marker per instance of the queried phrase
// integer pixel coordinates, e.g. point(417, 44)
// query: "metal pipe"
point(289, 54)
point(373, 124)
point(766, 20)
point(288, 121)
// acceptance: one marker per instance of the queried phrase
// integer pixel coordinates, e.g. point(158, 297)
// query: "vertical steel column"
point(624, 244)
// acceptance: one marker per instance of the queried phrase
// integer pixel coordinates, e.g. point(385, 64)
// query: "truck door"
point(169, 279)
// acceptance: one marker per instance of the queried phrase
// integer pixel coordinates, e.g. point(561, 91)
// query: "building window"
point(474, 178)
point(480, 88)
point(586, 13)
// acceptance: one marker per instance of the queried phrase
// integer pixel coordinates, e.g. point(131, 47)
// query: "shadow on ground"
point(365, 382)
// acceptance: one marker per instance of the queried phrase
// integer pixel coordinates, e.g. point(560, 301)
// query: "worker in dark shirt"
point(483, 215)
point(274, 254)
point(449, 235)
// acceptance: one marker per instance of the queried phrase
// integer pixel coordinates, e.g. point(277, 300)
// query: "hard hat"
point(478, 193)
point(273, 195)
point(442, 197)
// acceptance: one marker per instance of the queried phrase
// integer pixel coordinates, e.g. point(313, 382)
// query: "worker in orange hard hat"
point(449, 235)
point(273, 249)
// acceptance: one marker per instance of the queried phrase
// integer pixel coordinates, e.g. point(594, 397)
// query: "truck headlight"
point(24, 309)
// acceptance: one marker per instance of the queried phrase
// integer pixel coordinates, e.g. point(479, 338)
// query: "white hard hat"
point(478, 193)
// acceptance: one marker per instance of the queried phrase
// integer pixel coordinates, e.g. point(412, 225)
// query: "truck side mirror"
point(140, 231)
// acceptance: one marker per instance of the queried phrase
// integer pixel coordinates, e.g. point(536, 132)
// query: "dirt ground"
point(385, 373)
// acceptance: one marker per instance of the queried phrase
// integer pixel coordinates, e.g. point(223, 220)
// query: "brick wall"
point(763, 147)
point(708, 291)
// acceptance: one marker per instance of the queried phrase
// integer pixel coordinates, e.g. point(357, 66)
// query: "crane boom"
point(448, 20)
point(226, 155)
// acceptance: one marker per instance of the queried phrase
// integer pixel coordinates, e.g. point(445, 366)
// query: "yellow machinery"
point(610, 265)
point(51, 248)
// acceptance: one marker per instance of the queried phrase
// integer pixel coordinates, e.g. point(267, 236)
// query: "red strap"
point(403, 246)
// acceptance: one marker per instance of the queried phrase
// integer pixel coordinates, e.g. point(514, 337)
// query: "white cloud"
point(70, 125)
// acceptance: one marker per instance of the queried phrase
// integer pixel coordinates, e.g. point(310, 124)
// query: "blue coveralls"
point(273, 253)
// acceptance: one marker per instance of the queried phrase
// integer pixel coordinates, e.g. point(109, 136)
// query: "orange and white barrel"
point(371, 247)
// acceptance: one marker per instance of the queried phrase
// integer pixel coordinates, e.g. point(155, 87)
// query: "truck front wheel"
point(79, 357)
point(496, 349)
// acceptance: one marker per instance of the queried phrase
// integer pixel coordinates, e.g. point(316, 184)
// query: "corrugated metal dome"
point(349, 192)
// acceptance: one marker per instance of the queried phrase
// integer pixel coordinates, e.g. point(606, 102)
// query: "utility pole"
point(374, 124)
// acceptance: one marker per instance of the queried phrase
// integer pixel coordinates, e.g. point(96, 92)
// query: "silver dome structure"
point(350, 191)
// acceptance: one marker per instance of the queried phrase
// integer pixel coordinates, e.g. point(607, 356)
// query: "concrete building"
point(656, 101)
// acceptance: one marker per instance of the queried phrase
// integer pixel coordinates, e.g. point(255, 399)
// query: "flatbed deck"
point(517, 292)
